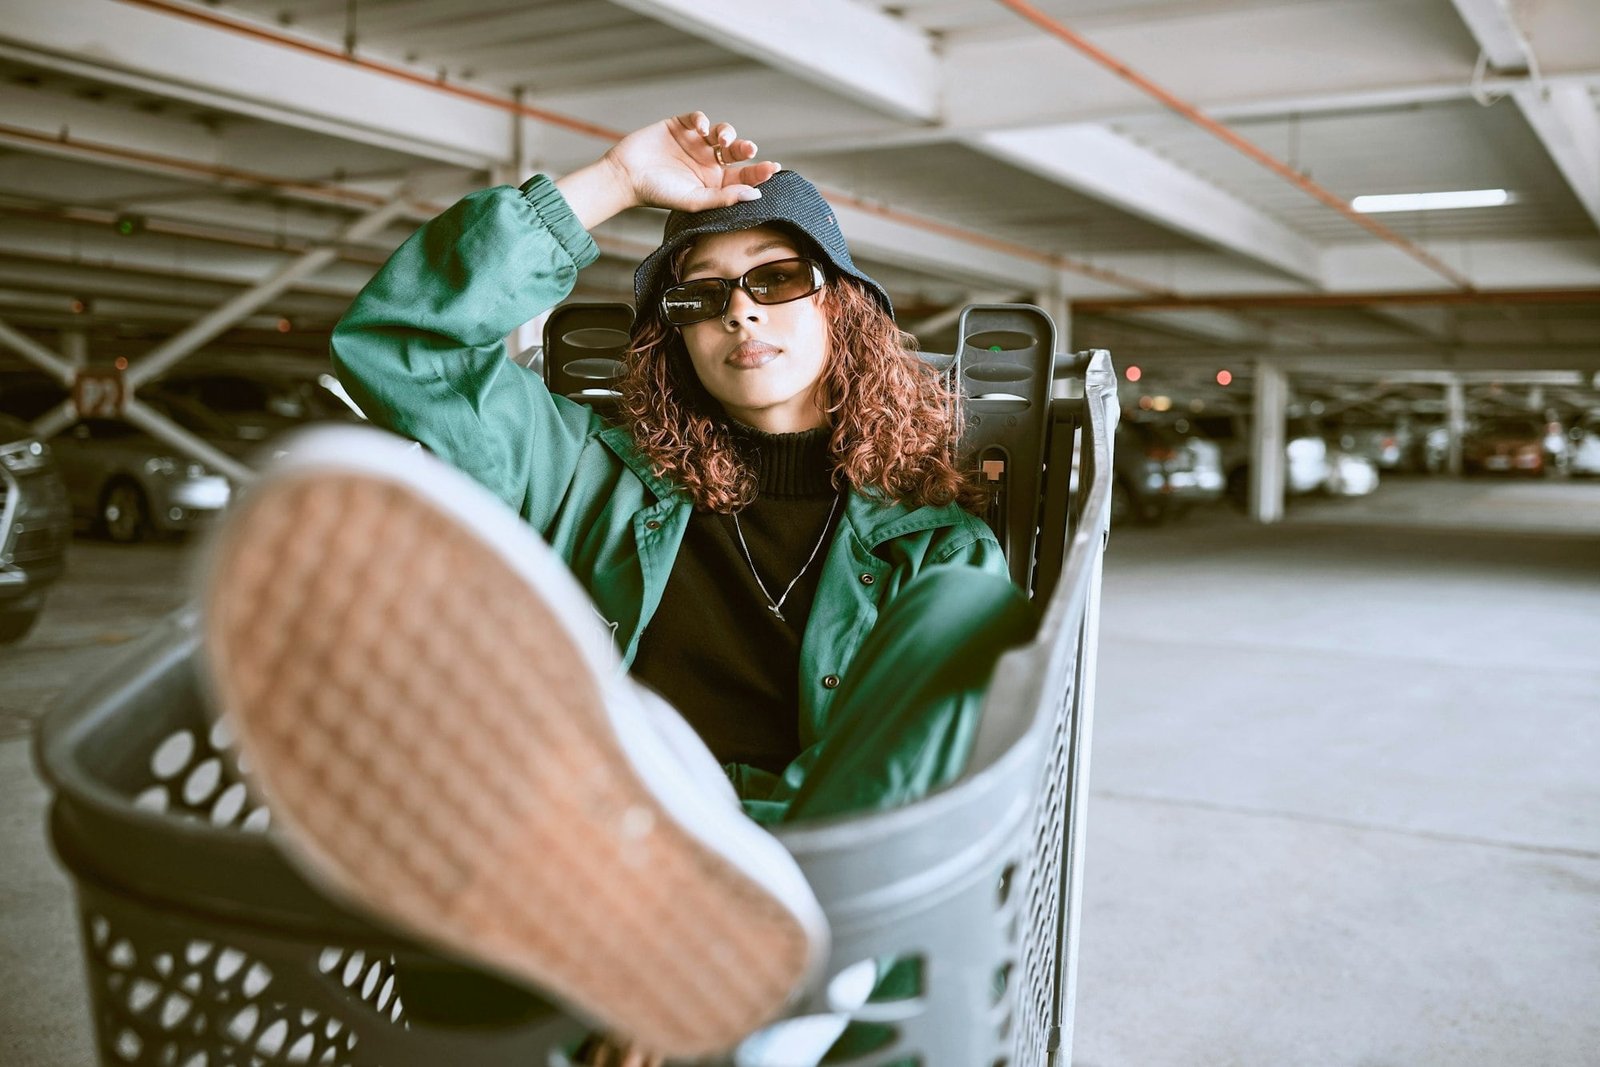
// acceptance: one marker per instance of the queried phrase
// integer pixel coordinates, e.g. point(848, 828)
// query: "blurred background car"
point(126, 485)
point(1385, 443)
point(1161, 473)
point(1557, 448)
point(260, 403)
point(122, 483)
point(35, 521)
point(1350, 474)
point(1505, 445)
point(1307, 466)
point(1584, 453)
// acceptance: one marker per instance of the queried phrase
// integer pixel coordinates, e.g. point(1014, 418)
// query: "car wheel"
point(124, 512)
point(14, 625)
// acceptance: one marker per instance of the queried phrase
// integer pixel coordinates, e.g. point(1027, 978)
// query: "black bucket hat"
point(787, 200)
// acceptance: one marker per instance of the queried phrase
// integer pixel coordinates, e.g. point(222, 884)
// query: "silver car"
point(127, 485)
point(121, 482)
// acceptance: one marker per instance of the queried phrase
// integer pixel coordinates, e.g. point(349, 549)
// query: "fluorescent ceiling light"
point(1372, 205)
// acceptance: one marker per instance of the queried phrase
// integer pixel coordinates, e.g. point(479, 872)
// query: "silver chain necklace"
point(776, 606)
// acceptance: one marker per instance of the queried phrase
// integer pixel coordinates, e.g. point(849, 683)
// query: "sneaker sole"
point(437, 742)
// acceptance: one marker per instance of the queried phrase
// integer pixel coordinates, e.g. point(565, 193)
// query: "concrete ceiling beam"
point(1099, 163)
point(857, 51)
point(1565, 118)
point(169, 56)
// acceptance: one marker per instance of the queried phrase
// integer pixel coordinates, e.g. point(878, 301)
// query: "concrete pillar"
point(75, 347)
point(1267, 443)
point(524, 344)
point(1455, 406)
point(1059, 308)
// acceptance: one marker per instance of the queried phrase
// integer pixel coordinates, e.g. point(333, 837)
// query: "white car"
point(1583, 457)
point(1350, 475)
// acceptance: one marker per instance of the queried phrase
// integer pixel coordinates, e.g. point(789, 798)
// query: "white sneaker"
point(441, 726)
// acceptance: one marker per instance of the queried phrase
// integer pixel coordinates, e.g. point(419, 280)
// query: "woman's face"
point(762, 362)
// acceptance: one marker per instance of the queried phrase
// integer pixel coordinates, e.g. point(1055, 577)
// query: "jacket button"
point(831, 682)
point(867, 579)
point(652, 524)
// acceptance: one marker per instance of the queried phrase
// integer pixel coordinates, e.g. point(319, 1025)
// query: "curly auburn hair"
point(895, 420)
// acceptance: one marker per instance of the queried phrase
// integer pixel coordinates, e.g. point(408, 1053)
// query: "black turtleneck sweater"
point(714, 648)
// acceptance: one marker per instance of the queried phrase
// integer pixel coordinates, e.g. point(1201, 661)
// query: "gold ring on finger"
point(716, 150)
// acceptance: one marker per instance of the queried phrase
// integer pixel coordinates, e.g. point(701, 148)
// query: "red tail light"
point(1161, 453)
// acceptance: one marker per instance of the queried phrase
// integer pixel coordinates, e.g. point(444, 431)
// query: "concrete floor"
point(1346, 804)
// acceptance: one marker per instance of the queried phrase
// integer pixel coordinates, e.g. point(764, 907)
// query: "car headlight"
point(25, 456)
point(162, 465)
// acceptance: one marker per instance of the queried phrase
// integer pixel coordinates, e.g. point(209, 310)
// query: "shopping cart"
point(205, 949)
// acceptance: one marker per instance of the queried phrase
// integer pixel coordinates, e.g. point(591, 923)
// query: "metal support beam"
point(157, 425)
point(1267, 442)
point(37, 354)
point(176, 348)
point(55, 420)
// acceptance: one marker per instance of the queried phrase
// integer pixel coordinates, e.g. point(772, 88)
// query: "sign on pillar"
point(99, 393)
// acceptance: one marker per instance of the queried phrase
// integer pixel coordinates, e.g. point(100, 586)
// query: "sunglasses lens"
point(694, 301)
point(780, 282)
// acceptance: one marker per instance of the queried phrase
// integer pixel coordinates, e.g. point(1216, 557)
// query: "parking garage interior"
point(1343, 799)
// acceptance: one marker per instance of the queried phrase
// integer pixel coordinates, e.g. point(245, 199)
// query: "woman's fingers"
point(698, 165)
point(694, 122)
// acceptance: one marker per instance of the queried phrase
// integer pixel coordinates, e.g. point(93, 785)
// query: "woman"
point(773, 538)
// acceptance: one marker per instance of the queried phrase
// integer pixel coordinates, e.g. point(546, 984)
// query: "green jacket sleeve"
point(422, 352)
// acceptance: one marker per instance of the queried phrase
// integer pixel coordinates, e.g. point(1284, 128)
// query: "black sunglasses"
point(771, 283)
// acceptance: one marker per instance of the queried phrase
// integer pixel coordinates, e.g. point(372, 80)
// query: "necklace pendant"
point(774, 609)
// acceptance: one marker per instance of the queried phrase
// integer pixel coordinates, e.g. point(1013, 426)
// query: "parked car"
point(1557, 449)
point(1384, 443)
point(122, 483)
point(1430, 453)
point(1307, 465)
point(1160, 473)
point(1350, 474)
point(1584, 452)
point(1505, 445)
point(35, 521)
point(261, 403)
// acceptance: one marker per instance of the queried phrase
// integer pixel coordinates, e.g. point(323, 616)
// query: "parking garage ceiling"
point(158, 156)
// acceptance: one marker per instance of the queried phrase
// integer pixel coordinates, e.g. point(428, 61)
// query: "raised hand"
point(690, 164)
point(685, 162)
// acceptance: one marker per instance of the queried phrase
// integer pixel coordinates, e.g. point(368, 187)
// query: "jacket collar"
point(873, 519)
point(620, 441)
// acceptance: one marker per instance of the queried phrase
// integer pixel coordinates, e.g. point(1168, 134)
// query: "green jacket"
point(422, 352)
